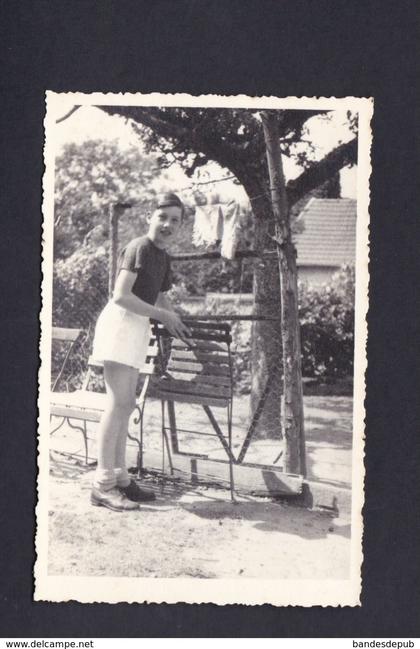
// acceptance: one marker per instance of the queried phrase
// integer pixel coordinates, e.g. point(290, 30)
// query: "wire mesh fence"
point(81, 291)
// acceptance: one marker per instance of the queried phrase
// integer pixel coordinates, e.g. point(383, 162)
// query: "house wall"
point(316, 275)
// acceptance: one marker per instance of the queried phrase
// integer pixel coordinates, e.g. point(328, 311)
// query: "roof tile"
point(329, 232)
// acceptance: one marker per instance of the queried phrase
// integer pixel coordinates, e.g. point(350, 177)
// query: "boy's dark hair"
point(169, 199)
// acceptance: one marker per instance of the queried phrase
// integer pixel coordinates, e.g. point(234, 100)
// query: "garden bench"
point(85, 405)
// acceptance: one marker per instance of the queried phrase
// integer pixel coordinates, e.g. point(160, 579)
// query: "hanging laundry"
point(208, 225)
point(231, 229)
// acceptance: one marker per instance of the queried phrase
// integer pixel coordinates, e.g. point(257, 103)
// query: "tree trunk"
point(293, 424)
point(266, 351)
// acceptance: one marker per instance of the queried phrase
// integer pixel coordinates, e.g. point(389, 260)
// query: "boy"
point(122, 336)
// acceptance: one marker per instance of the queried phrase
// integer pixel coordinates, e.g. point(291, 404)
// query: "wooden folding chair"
point(198, 371)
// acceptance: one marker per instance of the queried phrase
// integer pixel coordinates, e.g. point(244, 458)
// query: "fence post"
point(113, 214)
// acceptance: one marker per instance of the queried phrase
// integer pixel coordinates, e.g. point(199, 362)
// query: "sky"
point(89, 122)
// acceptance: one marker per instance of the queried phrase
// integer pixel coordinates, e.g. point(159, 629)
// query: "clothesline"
point(220, 180)
point(215, 254)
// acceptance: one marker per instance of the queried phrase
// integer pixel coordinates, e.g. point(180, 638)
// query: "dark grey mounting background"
point(278, 47)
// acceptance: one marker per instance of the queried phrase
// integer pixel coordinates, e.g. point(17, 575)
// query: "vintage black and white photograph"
point(201, 389)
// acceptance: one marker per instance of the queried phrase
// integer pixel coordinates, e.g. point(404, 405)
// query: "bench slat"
point(64, 333)
point(76, 413)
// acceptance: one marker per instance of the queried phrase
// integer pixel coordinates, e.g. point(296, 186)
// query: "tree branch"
point(67, 115)
point(319, 172)
point(146, 117)
point(192, 138)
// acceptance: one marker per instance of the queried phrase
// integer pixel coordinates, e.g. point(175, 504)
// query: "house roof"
point(328, 237)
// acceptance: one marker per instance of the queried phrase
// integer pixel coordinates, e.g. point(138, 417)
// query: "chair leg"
point(231, 476)
point(172, 426)
point(138, 420)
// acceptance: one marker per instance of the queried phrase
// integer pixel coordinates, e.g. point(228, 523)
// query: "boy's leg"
point(124, 482)
point(122, 475)
point(119, 381)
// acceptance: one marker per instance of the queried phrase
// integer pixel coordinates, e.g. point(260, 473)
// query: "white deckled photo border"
point(277, 592)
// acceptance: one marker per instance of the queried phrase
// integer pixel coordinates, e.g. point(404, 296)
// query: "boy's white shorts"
point(121, 336)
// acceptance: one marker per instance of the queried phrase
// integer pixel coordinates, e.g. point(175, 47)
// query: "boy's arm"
point(124, 297)
point(163, 302)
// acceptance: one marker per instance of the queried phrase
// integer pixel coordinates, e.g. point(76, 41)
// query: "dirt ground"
point(199, 532)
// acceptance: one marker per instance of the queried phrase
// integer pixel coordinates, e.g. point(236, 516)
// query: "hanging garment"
point(231, 228)
point(208, 225)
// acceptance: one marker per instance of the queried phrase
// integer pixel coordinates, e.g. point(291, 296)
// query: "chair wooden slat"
point(199, 345)
point(206, 379)
point(191, 368)
point(197, 356)
point(182, 397)
point(198, 336)
point(200, 324)
point(191, 387)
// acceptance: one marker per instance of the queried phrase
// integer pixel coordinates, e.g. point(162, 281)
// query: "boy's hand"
point(174, 324)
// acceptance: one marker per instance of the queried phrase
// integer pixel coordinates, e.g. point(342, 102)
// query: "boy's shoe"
point(112, 499)
point(136, 494)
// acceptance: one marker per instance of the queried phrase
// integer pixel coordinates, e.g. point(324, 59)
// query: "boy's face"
point(164, 223)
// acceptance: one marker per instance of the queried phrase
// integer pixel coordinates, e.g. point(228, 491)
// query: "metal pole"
point(113, 214)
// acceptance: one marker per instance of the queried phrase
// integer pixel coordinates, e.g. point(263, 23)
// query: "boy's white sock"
point(122, 476)
point(105, 479)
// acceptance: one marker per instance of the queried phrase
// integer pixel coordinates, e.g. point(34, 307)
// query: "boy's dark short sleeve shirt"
point(152, 266)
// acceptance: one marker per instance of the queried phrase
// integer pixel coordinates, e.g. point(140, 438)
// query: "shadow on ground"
point(214, 504)
point(270, 517)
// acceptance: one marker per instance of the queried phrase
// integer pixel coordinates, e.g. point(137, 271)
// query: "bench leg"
point(83, 430)
point(63, 419)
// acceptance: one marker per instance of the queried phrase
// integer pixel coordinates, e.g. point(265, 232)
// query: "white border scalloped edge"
point(217, 591)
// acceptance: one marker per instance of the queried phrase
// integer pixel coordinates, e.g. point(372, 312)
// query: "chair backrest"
point(69, 337)
point(199, 368)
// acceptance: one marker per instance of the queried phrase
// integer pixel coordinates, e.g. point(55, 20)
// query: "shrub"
point(327, 327)
point(80, 288)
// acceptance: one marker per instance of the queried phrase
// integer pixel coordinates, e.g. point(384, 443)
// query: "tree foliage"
point(91, 176)
point(233, 138)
